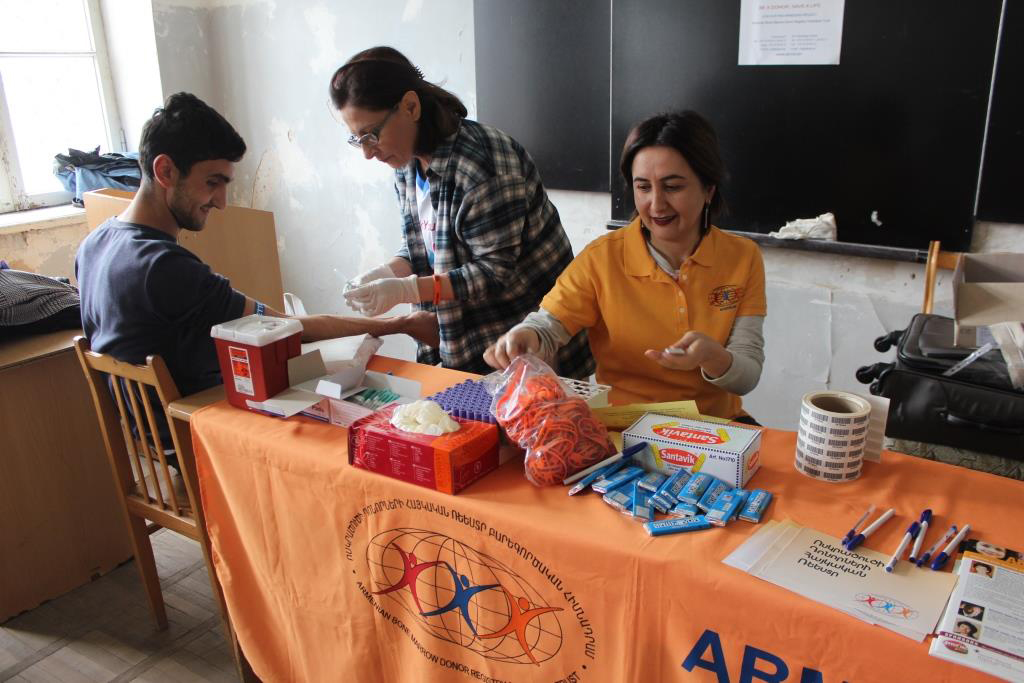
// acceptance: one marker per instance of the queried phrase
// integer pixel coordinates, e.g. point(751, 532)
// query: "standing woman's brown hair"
point(378, 78)
point(482, 243)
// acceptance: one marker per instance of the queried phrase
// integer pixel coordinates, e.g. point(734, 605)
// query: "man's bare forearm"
point(420, 325)
point(317, 327)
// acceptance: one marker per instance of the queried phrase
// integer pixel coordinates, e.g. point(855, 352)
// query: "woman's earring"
point(707, 211)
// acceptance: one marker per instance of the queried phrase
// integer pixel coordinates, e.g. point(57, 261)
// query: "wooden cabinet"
point(60, 522)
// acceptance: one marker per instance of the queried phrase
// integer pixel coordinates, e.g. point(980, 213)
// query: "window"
point(54, 94)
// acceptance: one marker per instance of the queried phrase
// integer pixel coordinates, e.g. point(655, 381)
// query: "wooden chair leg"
point(146, 563)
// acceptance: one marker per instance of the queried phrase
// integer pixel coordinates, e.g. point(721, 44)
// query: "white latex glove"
point(517, 341)
point(380, 296)
point(423, 417)
point(379, 273)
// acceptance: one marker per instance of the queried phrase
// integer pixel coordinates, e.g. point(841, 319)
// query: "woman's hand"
point(515, 342)
point(380, 296)
point(379, 273)
point(697, 351)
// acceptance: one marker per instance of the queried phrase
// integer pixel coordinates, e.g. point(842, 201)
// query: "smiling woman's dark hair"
point(692, 136)
point(378, 78)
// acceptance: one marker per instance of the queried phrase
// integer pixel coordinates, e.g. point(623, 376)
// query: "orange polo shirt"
point(628, 304)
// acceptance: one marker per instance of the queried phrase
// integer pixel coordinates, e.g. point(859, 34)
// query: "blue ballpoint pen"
point(608, 470)
point(614, 463)
point(869, 529)
point(940, 560)
point(926, 518)
point(938, 544)
point(853, 530)
point(907, 538)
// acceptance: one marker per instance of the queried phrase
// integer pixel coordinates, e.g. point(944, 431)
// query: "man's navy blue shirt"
point(144, 294)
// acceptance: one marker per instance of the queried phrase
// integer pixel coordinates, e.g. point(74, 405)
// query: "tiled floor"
point(104, 631)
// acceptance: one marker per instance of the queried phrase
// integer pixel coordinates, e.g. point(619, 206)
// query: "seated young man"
point(143, 293)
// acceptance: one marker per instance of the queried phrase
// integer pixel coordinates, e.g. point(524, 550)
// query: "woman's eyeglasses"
point(371, 139)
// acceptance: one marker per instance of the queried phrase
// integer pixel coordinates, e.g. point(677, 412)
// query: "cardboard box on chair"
point(987, 289)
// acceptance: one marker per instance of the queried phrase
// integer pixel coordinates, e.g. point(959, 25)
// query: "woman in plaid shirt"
point(482, 242)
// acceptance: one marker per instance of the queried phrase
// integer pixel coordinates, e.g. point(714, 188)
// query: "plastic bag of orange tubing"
point(554, 425)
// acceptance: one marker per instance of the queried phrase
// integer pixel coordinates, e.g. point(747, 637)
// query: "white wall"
point(134, 66)
point(266, 66)
point(188, 54)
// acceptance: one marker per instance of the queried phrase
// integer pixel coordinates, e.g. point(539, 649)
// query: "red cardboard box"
point(253, 353)
point(446, 463)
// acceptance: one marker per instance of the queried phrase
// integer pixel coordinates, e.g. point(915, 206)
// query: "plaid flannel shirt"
point(499, 240)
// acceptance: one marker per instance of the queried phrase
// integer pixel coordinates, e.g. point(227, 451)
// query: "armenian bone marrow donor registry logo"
point(725, 297)
point(441, 586)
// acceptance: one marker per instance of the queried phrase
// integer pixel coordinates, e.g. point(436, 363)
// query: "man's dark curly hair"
point(188, 131)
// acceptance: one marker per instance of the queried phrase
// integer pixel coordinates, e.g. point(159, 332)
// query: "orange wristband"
point(437, 289)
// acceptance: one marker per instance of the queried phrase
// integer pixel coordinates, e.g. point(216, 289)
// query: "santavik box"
point(726, 451)
point(446, 463)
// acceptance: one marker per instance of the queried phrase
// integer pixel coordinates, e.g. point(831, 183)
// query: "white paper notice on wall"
point(790, 32)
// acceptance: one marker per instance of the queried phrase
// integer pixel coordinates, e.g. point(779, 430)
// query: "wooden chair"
point(937, 258)
point(149, 490)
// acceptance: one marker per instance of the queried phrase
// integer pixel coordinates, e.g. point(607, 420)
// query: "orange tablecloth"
point(307, 547)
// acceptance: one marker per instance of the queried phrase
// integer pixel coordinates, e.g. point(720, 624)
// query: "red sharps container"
point(253, 352)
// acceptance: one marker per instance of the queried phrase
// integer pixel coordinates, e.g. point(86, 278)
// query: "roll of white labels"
point(833, 435)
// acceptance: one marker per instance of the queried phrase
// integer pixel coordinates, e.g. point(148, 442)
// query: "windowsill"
point(40, 219)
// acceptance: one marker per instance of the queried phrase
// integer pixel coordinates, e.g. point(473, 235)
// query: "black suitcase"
point(976, 409)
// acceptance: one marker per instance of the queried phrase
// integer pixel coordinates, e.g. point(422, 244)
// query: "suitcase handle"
point(957, 421)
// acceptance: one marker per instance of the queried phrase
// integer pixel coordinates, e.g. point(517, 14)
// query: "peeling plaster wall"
point(266, 65)
point(47, 251)
point(187, 55)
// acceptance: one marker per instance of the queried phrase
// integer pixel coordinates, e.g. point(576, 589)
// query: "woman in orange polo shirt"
point(674, 307)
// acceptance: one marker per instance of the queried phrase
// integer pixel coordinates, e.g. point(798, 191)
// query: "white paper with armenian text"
point(908, 601)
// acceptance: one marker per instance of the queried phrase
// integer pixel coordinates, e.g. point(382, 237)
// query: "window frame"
point(12, 194)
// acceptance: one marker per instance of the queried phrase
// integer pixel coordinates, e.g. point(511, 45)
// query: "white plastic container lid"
point(256, 330)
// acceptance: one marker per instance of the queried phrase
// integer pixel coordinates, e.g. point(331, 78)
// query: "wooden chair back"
point(136, 450)
point(937, 259)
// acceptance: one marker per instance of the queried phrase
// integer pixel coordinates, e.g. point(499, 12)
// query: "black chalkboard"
point(894, 131)
point(542, 76)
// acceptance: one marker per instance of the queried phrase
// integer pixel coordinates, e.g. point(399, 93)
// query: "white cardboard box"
point(987, 289)
point(727, 451)
point(330, 370)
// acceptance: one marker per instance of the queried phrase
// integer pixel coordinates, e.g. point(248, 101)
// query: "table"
point(318, 561)
point(60, 521)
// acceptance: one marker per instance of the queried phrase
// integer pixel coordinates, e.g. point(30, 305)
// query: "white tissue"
point(821, 228)
point(423, 417)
